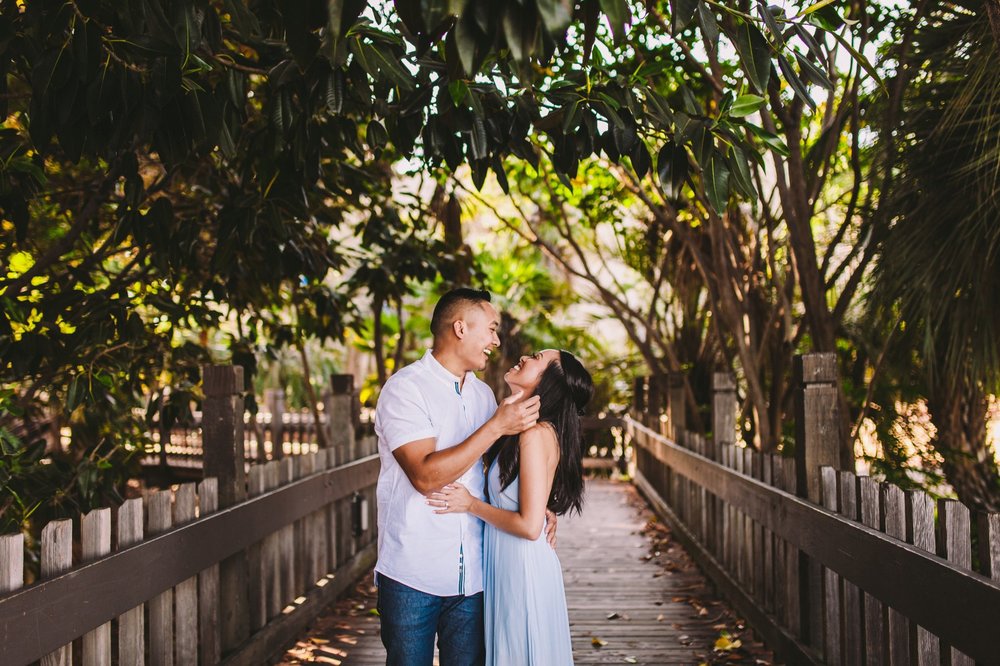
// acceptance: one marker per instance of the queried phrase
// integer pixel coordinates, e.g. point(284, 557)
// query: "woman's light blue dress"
point(525, 602)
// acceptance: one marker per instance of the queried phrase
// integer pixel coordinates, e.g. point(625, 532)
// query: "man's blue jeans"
point(411, 618)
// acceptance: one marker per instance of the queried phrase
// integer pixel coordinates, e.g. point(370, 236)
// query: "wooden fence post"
point(639, 394)
point(723, 410)
point(676, 406)
point(222, 436)
point(817, 421)
point(275, 401)
point(817, 427)
point(341, 417)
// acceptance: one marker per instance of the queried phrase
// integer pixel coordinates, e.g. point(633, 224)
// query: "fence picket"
point(131, 623)
point(95, 538)
point(57, 558)
point(868, 496)
point(271, 552)
point(989, 544)
point(209, 628)
point(832, 633)
point(186, 592)
point(11, 562)
point(920, 532)
point(954, 544)
point(161, 607)
point(894, 520)
point(255, 559)
point(288, 577)
point(854, 642)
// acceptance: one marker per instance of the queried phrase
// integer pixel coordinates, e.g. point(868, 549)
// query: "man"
point(434, 420)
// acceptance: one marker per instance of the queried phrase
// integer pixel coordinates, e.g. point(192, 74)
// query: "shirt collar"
point(444, 373)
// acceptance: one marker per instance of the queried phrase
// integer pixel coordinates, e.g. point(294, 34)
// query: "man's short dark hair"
point(452, 303)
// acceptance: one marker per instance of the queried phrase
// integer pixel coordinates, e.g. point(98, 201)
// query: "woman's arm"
point(539, 455)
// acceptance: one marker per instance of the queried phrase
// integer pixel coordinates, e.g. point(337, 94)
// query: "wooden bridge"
point(826, 566)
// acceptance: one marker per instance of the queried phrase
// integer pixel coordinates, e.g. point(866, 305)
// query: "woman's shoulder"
point(541, 433)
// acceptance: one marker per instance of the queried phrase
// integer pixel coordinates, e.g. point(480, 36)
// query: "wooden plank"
point(95, 542)
point(55, 612)
point(288, 577)
point(210, 644)
point(186, 592)
point(11, 562)
point(921, 533)
point(873, 562)
point(767, 475)
point(989, 544)
point(894, 521)
point(131, 623)
point(255, 560)
point(875, 651)
point(272, 550)
point(832, 632)
point(161, 607)
point(853, 614)
point(955, 545)
point(57, 557)
point(793, 598)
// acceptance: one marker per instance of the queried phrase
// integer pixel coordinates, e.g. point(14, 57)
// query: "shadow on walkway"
point(634, 597)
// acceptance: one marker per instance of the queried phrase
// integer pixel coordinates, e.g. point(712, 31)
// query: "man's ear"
point(458, 326)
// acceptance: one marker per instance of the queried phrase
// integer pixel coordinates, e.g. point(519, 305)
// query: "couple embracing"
point(467, 497)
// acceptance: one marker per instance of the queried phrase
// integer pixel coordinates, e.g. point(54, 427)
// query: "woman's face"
point(528, 372)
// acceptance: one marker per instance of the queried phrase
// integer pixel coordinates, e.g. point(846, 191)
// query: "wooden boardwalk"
point(634, 597)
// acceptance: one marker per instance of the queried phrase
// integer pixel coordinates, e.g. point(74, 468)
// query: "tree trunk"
point(958, 409)
point(377, 336)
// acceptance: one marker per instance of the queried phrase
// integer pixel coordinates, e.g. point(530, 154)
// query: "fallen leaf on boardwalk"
point(597, 642)
point(679, 600)
point(659, 618)
point(725, 643)
point(631, 660)
point(318, 641)
point(613, 616)
point(374, 612)
point(703, 611)
point(684, 639)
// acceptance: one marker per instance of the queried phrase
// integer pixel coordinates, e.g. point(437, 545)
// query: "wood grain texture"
point(620, 591)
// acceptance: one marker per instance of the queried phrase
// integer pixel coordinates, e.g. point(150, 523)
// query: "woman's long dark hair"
point(565, 388)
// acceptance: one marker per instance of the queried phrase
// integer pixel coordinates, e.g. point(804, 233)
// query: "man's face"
point(480, 338)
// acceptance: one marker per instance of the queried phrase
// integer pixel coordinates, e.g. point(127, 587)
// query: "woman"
point(525, 603)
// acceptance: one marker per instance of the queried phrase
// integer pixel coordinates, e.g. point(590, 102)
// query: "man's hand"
point(550, 527)
point(515, 415)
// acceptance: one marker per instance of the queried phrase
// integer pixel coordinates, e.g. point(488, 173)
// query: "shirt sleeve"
point(401, 415)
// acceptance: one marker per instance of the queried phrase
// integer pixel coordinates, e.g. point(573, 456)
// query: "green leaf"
point(741, 176)
point(816, 6)
point(556, 15)
point(458, 90)
point(745, 105)
point(641, 160)
point(467, 42)
point(772, 141)
point(768, 15)
point(812, 73)
point(794, 81)
point(619, 17)
point(862, 60)
point(755, 54)
point(717, 182)
point(709, 25)
point(672, 168)
point(681, 14)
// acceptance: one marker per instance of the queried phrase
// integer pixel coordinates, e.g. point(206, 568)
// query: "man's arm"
point(429, 470)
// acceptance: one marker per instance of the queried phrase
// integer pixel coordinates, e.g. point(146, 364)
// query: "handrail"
point(957, 604)
point(36, 620)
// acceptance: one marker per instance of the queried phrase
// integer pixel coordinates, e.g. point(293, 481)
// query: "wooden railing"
point(225, 570)
point(270, 434)
point(829, 567)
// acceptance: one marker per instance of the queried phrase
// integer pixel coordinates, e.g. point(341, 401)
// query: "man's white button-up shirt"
point(437, 554)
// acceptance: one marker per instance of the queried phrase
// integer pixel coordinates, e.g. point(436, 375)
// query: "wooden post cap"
point(222, 379)
point(816, 368)
point(342, 384)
